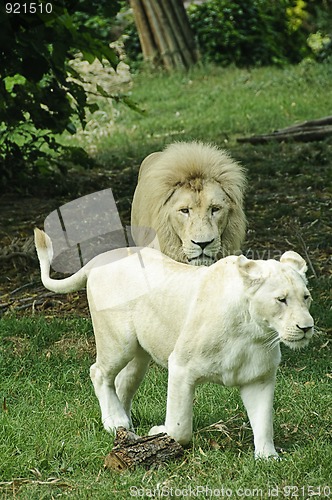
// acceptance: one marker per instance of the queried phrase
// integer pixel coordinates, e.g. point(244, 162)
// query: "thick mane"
point(181, 163)
point(185, 164)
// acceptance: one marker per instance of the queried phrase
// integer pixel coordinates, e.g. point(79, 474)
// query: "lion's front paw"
point(157, 429)
point(111, 424)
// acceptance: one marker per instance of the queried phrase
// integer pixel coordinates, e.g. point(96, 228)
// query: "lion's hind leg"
point(112, 412)
point(129, 379)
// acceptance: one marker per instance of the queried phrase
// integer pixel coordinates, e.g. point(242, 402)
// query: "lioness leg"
point(116, 346)
point(130, 377)
point(112, 412)
point(258, 400)
point(179, 413)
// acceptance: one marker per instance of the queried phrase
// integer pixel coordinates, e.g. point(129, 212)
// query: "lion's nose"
point(202, 244)
point(304, 329)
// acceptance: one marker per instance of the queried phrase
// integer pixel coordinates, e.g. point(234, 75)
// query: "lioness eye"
point(283, 300)
point(214, 210)
point(184, 210)
point(306, 297)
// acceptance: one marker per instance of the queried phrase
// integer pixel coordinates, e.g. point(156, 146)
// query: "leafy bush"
point(40, 93)
point(255, 32)
point(320, 38)
point(321, 45)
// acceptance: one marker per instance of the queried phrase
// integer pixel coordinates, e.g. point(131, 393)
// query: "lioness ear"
point(294, 260)
point(250, 270)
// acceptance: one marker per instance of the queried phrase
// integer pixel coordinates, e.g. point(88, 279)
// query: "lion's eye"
point(184, 210)
point(306, 297)
point(282, 300)
point(214, 210)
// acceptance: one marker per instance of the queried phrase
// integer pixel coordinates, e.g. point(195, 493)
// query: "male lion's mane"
point(186, 164)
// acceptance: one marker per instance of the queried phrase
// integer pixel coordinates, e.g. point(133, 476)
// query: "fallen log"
point(311, 130)
point(131, 450)
point(320, 122)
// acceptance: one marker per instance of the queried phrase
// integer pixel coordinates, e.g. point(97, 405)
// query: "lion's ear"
point(148, 163)
point(294, 260)
point(250, 270)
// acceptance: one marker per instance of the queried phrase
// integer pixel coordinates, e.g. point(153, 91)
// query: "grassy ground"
point(52, 442)
point(210, 103)
point(51, 439)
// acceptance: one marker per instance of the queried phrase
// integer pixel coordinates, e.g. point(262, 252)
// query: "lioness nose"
point(304, 329)
point(202, 244)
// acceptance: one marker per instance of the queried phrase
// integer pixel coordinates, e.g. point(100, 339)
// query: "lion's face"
point(191, 197)
point(280, 301)
point(198, 215)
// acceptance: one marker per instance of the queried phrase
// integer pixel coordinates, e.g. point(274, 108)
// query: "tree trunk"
point(164, 32)
point(131, 450)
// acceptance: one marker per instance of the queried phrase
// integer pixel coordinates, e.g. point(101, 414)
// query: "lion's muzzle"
point(203, 253)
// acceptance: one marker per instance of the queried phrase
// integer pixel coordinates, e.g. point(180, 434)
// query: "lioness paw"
point(111, 424)
point(267, 456)
point(157, 429)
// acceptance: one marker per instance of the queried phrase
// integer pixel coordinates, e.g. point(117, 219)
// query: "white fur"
point(221, 323)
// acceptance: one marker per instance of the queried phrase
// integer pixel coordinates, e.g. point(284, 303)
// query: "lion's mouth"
point(201, 260)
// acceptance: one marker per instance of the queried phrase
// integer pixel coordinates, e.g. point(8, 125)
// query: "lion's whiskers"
point(317, 331)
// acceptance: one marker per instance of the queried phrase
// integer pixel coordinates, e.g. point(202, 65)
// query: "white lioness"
point(222, 323)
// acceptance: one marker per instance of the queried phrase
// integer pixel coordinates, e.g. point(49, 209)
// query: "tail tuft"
point(44, 249)
point(42, 243)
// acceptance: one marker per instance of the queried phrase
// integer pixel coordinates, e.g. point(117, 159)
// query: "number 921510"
point(28, 8)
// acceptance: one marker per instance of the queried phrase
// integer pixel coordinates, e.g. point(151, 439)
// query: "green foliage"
point(40, 93)
point(131, 43)
point(255, 32)
point(320, 38)
point(321, 45)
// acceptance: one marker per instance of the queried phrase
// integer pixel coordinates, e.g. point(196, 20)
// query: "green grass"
point(209, 103)
point(51, 428)
point(50, 424)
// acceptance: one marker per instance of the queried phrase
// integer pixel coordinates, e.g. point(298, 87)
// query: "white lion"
point(191, 197)
point(222, 324)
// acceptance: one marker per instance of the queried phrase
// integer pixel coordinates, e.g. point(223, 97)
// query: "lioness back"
point(157, 298)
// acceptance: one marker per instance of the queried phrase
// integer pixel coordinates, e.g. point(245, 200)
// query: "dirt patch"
point(288, 206)
point(21, 290)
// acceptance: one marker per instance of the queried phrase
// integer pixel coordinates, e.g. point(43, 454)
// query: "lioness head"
point(279, 298)
point(191, 196)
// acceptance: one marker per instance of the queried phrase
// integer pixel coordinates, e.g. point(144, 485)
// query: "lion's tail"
point(45, 254)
